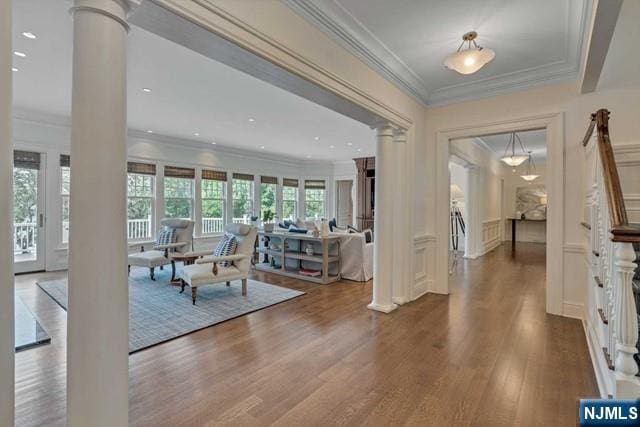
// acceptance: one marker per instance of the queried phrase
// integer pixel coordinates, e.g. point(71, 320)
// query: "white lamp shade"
point(529, 177)
point(469, 61)
point(514, 160)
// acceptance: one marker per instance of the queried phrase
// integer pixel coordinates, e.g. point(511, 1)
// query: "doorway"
point(344, 202)
point(28, 211)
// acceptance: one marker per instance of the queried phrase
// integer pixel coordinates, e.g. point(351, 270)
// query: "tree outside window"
point(289, 202)
point(139, 206)
point(65, 191)
point(242, 200)
point(268, 196)
point(178, 197)
point(314, 199)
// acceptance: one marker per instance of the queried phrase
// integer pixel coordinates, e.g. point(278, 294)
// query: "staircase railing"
point(612, 263)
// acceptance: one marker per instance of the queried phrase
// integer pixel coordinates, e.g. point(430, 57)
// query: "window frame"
point(191, 199)
point(152, 202)
point(222, 199)
point(296, 200)
point(65, 200)
point(250, 199)
point(322, 200)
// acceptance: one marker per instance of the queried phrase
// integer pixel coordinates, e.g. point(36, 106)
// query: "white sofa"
point(357, 257)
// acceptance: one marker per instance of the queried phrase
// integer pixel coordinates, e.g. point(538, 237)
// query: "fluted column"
point(383, 222)
point(6, 215)
point(626, 322)
point(97, 337)
point(401, 222)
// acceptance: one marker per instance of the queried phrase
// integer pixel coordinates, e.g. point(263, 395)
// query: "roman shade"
point(141, 168)
point(315, 184)
point(26, 160)
point(214, 175)
point(65, 160)
point(290, 182)
point(177, 172)
point(243, 176)
point(269, 180)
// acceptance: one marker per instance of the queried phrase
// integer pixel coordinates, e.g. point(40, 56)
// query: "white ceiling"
point(536, 41)
point(190, 93)
point(534, 141)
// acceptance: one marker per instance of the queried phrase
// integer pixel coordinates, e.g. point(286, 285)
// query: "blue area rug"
point(158, 313)
point(28, 331)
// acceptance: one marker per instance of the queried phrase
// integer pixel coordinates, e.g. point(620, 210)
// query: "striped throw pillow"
point(226, 246)
point(167, 236)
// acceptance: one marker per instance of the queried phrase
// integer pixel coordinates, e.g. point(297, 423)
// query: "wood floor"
point(485, 355)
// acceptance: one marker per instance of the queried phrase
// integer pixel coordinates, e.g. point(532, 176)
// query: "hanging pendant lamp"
point(530, 175)
point(471, 59)
point(510, 157)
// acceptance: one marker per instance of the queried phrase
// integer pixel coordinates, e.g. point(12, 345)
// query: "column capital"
point(400, 135)
point(118, 10)
point(382, 124)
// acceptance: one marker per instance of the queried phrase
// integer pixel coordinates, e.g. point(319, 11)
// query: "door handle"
point(41, 221)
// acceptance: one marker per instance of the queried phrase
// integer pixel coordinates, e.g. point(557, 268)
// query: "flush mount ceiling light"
point(530, 175)
point(471, 59)
point(29, 35)
point(20, 54)
point(512, 159)
point(146, 90)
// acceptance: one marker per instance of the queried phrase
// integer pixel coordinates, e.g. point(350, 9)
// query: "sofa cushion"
point(167, 236)
point(202, 274)
point(226, 246)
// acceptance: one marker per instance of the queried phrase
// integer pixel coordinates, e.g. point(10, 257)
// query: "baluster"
point(626, 330)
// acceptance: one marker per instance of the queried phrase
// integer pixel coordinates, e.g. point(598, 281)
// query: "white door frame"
point(554, 126)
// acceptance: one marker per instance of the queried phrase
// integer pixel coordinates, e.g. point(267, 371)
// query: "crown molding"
point(331, 18)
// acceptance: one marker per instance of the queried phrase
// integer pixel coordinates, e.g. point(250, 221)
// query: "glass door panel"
point(28, 215)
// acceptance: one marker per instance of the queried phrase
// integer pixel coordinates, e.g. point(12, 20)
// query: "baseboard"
point(595, 353)
point(573, 310)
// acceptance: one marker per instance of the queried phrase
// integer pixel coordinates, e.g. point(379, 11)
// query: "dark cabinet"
point(365, 206)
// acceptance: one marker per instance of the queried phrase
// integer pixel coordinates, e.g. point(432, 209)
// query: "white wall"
point(51, 135)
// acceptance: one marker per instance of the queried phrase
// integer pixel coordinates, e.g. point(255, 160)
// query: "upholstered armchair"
point(162, 255)
point(209, 269)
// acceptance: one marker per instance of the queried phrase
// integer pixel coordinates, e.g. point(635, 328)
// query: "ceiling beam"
point(605, 17)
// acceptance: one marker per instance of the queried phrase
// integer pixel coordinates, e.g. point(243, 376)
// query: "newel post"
point(626, 327)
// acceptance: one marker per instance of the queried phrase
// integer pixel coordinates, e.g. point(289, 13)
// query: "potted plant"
point(267, 220)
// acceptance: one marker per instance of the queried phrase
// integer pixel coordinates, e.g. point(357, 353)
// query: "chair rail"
point(620, 229)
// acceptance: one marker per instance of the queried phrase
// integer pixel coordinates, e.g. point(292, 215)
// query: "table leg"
point(513, 233)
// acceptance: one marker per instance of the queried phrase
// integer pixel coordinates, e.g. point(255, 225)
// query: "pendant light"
point(512, 159)
point(530, 175)
point(471, 59)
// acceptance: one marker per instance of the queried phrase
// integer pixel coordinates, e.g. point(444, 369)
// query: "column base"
point(383, 308)
point(400, 300)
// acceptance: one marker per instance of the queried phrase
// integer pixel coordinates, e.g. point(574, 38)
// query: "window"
point(178, 192)
point(214, 186)
point(140, 192)
point(268, 186)
point(65, 187)
point(242, 197)
point(289, 198)
point(314, 199)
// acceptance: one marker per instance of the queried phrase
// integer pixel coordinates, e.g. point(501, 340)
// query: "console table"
point(513, 227)
point(288, 252)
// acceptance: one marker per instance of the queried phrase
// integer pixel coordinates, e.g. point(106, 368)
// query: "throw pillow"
point(167, 236)
point(226, 246)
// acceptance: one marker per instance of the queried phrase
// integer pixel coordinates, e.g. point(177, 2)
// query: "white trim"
point(601, 372)
point(572, 309)
point(554, 124)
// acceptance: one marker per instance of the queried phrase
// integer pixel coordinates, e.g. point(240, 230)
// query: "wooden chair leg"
point(182, 285)
point(173, 270)
point(228, 283)
point(128, 270)
point(244, 287)
point(162, 267)
point(152, 273)
point(194, 292)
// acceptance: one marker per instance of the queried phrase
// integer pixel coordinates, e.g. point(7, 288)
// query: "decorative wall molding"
point(572, 309)
point(572, 248)
point(490, 235)
point(423, 249)
point(346, 30)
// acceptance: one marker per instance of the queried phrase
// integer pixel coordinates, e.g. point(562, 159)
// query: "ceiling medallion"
point(512, 159)
point(471, 59)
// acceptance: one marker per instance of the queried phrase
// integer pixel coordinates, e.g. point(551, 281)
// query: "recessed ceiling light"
point(14, 69)
point(146, 89)
point(349, 144)
point(359, 150)
point(214, 143)
point(149, 131)
point(252, 119)
point(29, 35)
point(20, 54)
point(262, 147)
point(196, 134)
point(332, 146)
point(308, 156)
point(316, 138)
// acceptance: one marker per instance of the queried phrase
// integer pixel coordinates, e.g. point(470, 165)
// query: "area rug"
point(158, 313)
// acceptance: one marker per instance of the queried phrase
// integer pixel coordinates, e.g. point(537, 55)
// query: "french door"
point(28, 211)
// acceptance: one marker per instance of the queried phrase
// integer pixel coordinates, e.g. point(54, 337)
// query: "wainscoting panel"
point(490, 235)
point(424, 266)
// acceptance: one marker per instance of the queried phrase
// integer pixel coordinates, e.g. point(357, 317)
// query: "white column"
point(401, 222)
point(626, 323)
point(97, 320)
point(383, 225)
point(6, 220)
point(473, 235)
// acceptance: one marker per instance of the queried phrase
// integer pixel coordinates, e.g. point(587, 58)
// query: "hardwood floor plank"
point(487, 354)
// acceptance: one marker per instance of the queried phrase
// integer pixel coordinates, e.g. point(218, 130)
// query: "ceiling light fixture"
point(29, 35)
point(146, 89)
point(214, 143)
point(262, 147)
point(252, 119)
point(149, 131)
point(349, 144)
point(471, 59)
point(20, 54)
point(530, 175)
point(196, 134)
point(317, 138)
point(332, 146)
point(512, 159)
point(359, 150)
point(14, 69)
point(308, 156)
